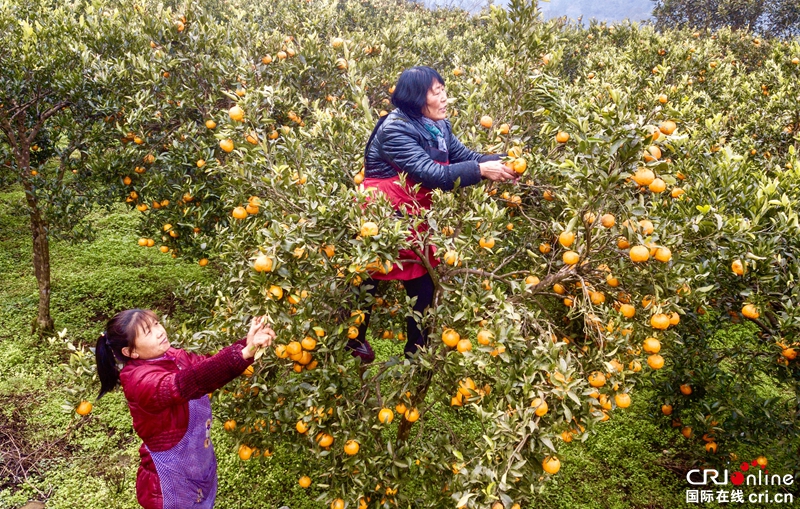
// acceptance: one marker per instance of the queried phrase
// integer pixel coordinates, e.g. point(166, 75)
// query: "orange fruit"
point(411, 415)
point(761, 461)
point(686, 431)
point(667, 127)
point(301, 427)
point(226, 145)
point(532, 280)
point(540, 406)
point(245, 452)
point(663, 254)
point(486, 243)
point(236, 113)
point(623, 243)
point(676, 192)
point(566, 436)
point(737, 267)
point(750, 311)
point(351, 447)
point(450, 337)
point(210, 124)
point(545, 248)
point(230, 425)
point(551, 465)
point(324, 439)
point(651, 345)
point(662, 98)
point(597, 379)
point(337, 504)
point(450, 257)
point(485, 337)
point(639, 254)
point(566, 238)
point(386, 416)
point(711, 447)
point(635, 366)
point(304, 481)
point(607, 220)
point(627, 310)
point(308, 343)
point(84, 408)
point(644, 176)
point(562, 137)
point(369, 229)
point(652, 153)
point(657, 186)
point(294, 348)
point(655, 361)
point(503, 129)
point(570, 257)
point(263, 263)
point(623, 400)
point(464, 345)
point(686, 389)
point(659, 321)
point(666, 409)
point(674, 318)
point(466, 387)
point(486, 121)
point(519, 165)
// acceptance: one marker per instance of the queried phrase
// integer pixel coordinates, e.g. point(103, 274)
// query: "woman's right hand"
point(496, 171)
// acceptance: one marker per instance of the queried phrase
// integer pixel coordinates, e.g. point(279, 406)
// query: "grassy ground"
point(91, 463)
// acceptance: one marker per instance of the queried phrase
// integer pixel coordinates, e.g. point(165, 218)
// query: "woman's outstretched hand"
point(497, 171)
point(260, 335)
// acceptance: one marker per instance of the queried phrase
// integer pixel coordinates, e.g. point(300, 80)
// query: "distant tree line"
point(773, 18)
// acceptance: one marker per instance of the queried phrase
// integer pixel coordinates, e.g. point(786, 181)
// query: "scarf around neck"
point(436, 129)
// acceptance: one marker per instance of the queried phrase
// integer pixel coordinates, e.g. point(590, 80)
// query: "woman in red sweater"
point(167, 392)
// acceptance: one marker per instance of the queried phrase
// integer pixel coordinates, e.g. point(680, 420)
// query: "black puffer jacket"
point(403, 145)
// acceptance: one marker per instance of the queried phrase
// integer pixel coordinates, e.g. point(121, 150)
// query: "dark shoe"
point(362, 350)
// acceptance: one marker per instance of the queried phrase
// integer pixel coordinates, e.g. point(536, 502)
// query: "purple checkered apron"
point(188, 471)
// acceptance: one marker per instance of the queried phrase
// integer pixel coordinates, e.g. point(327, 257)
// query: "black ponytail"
point(106, 366)
point(120, 333)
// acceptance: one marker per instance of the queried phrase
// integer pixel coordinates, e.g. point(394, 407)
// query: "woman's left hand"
point(260, 335)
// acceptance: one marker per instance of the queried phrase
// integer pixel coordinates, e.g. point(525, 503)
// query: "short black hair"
point(411, 91)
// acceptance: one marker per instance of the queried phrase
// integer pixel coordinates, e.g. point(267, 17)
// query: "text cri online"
point(712, 477)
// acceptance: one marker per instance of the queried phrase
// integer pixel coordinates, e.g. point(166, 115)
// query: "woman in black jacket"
point(416, 139)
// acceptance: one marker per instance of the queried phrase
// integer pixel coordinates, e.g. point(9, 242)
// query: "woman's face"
point(151, 342)
point(436, 104)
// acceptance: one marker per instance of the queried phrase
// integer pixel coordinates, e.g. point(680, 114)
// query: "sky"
point(602, 10)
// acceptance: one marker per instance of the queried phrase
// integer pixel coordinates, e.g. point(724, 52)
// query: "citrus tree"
point(641, 223)
point(56, 117)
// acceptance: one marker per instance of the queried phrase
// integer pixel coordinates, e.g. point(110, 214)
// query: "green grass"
point(629, 463)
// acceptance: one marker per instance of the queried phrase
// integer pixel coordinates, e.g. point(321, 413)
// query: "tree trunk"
point(41, 246)
point(41, 267)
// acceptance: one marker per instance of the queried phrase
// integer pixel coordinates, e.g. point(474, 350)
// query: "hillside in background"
point(603, 10)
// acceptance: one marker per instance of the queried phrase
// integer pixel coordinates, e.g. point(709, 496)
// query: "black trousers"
point(421, 288)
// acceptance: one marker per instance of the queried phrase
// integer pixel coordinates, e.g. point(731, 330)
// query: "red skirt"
point(404, 199)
